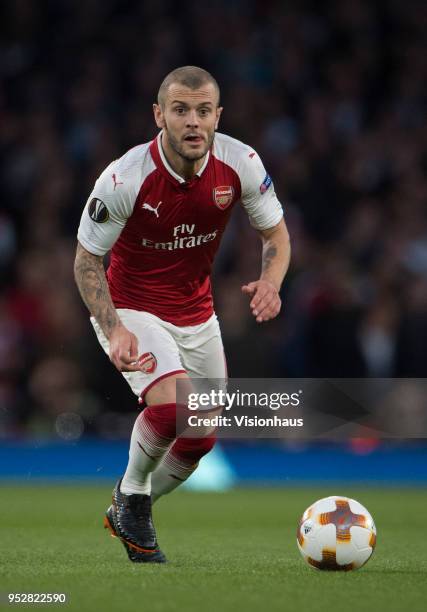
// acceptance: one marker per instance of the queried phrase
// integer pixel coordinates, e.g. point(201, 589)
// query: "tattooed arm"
point(276, 251)
point(276, 254)
point(90, 277)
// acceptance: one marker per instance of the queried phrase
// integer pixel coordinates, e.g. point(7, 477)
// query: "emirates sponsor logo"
point(181, 239)
point(147, 363)
point(223, 196)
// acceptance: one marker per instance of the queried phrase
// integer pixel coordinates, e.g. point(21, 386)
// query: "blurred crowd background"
point(331, 94)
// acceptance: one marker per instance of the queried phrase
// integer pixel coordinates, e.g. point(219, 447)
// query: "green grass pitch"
point(231, 551)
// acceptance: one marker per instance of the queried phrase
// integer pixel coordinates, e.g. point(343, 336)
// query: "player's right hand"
point(124, 349)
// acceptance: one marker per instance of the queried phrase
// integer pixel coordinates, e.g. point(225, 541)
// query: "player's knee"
point(161, 418)
point(164, 391)
point(193, 449)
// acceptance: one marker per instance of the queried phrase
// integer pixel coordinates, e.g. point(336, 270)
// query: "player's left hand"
point(265, 302)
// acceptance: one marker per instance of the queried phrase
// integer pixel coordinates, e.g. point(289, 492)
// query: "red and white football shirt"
point(163, 231)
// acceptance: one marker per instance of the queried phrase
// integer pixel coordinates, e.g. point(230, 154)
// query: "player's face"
point(189, 119)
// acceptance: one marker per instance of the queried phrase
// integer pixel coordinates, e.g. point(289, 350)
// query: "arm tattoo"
point(269, 252)
point(90, 278)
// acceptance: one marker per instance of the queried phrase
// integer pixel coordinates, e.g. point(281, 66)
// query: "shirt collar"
point(170, 169)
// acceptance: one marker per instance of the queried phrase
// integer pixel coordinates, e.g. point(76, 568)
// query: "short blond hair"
point(192, 77)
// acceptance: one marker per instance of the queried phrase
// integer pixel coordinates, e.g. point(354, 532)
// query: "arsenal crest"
point(223, 196)
point(148, 363)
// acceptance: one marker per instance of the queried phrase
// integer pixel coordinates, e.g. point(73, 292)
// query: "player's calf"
point(179, 463)
point(152, 435)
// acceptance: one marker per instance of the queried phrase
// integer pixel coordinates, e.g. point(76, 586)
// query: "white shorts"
point(196, 349)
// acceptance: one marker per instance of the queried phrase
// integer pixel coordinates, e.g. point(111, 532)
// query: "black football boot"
point(129, 519)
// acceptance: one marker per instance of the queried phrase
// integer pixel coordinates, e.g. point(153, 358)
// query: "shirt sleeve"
point(107, 210)
point(258, 196)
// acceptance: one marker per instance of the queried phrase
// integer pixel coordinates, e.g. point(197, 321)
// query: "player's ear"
point(158, 116)
point(218, 115)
